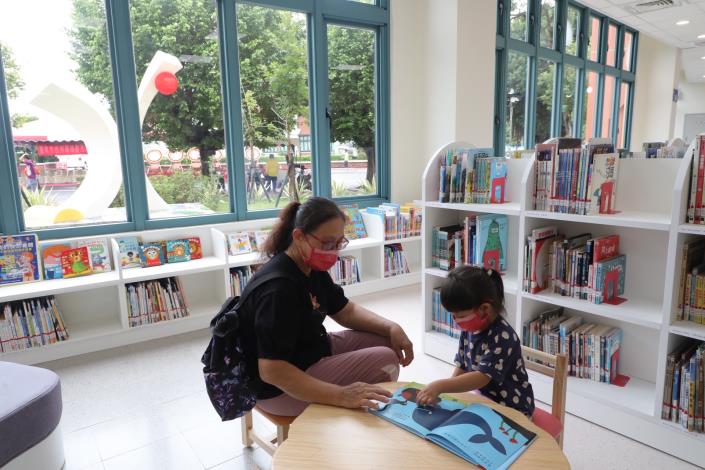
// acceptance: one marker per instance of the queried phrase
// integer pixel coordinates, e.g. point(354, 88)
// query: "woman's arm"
point(356, 317)
point(304, 387)
point(464, 382)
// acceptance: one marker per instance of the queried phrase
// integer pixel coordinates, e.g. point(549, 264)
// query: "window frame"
point(319, 14)
point(532, 47)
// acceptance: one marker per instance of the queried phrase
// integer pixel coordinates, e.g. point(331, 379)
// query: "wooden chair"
point(269, 444)
point(557, 368)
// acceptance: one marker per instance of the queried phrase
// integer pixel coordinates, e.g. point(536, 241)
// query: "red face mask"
point(321, 260)
point(473, 323)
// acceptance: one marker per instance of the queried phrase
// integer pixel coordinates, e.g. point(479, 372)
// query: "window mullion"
point(127, 111)
point(382, 108)
point(318, 47)
point(232, 106)
point(11, 220)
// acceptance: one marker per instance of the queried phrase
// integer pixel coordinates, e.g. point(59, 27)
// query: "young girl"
point(489, 353)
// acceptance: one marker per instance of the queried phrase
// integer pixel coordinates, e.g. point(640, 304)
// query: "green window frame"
point(533, 49)
point(319, 13)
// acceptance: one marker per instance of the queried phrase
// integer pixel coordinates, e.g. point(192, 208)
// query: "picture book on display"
point(75, 262)
point(239, 243)
point(476, 433)
point(354, 225)
point(603, 183)
point(153, 254)
point(51, 259)
point(194, 247)
point(177, 251)
point(129, 252)
point(472, 176)
point(98, 254)
point(19, 259)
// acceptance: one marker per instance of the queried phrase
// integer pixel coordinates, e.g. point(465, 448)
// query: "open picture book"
point(475, 432)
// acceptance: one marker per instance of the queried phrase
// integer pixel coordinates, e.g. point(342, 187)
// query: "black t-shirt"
point(283, 319)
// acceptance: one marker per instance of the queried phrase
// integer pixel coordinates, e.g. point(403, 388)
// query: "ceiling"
point(661, 24)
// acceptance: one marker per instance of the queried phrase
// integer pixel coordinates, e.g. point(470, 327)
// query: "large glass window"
point(548, 24)
point(572, 30)
point(594, 33)
point(178, 75)
point(612, 45)
point(569, 78)
point(60, 88)
point(517, 19)
point(275, 105)
point(569, 100)
point(590, 104)
point(608, 106)
point(625, 89)
point(518, 70)
point(545, 83)
point(351, 89)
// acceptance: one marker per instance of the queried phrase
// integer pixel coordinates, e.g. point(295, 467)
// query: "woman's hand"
point(401, 345)
point(360, 394)
point(429, 395)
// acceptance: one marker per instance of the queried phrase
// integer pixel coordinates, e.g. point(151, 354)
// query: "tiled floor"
point(144, 407)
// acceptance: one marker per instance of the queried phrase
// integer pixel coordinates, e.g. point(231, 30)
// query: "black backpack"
point(225, 370)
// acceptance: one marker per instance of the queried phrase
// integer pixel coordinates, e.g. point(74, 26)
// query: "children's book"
point(603, 183)
point(498, 180)
point(239, 243)
point(177, 251)
point(539, 245)
point(492, 241)
point(75, 262)
point(194, 246)
point(98, 254)
point(152, 254)
point(129, 252)
point(19, 259)
point(260, 237)
point(51, 259)
point(354, 225)
point(476, 432)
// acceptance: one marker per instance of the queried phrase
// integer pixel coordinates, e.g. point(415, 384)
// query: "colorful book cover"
point(610, 277)
point(603, 183)
point(605, 248)
point(51, 259)
point(354, 225)
point(177, 251)
point(152, 254)
point(540, 241)
point(19, 259)
point(498, 180)
point(98, 254)
point(76, 262)
point(492, 237)
point(239, 243)
point(476, 432)
point(129, 252)
point(260, 238)
point(195, 249)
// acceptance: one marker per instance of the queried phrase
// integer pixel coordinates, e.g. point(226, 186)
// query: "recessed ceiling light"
point(682, 22)
point(703, 57)
point(701, 36)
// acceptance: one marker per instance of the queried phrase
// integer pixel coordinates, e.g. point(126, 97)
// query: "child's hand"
point(429, 395)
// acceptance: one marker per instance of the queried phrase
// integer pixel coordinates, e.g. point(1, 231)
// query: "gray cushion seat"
point(30, 408)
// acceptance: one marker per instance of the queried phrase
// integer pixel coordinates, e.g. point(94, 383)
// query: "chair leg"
point(560, 440)
point(246, 424)
point(282, 434)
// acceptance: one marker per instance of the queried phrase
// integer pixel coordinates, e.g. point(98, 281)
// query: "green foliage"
point(367, 187)
point(181, 188)
point(15, 84)
point(339, 189)
point(41, 197)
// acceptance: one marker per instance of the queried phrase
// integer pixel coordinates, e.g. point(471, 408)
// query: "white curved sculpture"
point(98, 130)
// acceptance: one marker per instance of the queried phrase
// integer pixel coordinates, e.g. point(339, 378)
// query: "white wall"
point(656, 77)
point(692, 101)
point(442, 82)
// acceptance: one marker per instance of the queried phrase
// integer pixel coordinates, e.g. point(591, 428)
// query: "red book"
point(699, 191)
point(606, 248)
point(75, 262)
point(194, 244)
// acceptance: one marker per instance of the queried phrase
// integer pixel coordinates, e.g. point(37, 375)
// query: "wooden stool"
point(269, 444)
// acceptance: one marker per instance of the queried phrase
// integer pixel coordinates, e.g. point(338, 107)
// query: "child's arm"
point(461, 381)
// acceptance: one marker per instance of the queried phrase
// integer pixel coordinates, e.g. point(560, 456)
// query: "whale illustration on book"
point(476, 432)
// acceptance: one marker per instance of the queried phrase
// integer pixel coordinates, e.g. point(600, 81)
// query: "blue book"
point(476, 432)
point(491, 246)
point(19, 259)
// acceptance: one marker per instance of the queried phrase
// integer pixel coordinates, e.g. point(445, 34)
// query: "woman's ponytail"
point(280, 237)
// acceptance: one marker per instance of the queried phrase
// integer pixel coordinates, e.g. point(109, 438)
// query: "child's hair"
point(468, 287)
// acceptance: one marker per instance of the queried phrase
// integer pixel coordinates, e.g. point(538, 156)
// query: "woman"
point(291, 359)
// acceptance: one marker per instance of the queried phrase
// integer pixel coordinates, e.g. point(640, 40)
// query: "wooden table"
point(326, 437)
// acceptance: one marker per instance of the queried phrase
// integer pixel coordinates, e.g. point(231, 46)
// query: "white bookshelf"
point(652, 202)
point(95, 309)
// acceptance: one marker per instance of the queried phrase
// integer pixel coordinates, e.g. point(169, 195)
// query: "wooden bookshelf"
point(652, 203)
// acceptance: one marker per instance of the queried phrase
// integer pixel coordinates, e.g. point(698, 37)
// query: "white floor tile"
point(216, 443)
point(172, 453)
point(251, 459)
point(125, 434)
point(80, 450)
point(94, 466)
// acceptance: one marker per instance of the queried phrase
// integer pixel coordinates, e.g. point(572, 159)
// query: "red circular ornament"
point(166, 83)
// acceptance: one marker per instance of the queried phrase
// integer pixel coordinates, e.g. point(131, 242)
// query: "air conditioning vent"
point(655, 5)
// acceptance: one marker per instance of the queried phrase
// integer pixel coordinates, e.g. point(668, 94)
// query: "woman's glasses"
point(336, 245)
